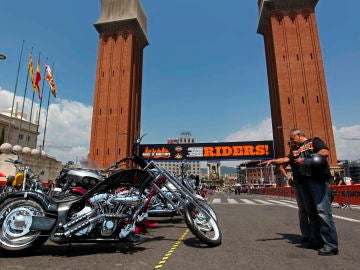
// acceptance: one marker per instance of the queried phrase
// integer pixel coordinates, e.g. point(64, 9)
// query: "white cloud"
point(347, 142)
point(259, 132)
point(347, 139)
point(68, 125)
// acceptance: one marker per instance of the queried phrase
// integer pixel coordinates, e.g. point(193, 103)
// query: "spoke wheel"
point(203, 226)
point(16, 235)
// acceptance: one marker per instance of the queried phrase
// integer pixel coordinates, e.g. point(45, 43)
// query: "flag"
point(38, 79)
point(31, 71)
point(50, 78)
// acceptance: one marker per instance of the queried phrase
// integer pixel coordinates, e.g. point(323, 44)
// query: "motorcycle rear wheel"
point(16, 236)
point(203, 226)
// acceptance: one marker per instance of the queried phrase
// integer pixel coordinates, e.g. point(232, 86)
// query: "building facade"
point(296, 78)
point(20, 135)
point(181, 167)
point(117, 98)
point(17, 130)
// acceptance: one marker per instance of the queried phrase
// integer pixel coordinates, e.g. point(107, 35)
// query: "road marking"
point(170, 252)
point(216, 200)
point(247, 201)
point(287, 201)
point(347, 219)
point(263, 202)
point(283, 203)
point(232, 201)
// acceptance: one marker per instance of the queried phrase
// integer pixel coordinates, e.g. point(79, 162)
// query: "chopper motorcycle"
point(29, 218)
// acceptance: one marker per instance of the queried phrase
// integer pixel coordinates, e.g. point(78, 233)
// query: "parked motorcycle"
point(159, 205)
point(24, 179)
point(29, 218)
point(74, 181)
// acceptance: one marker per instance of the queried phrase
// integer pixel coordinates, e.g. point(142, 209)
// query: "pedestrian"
point(338, 180)
point(313, 173)
point(304, 222)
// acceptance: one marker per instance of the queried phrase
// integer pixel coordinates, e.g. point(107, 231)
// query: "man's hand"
point(266, 163)
point(290, 181)
point(299, 160)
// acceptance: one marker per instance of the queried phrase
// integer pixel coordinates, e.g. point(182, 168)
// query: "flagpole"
point(46, 117)
point(42, 94)
point(32, 105)
point(22, 109)
point(13, 101)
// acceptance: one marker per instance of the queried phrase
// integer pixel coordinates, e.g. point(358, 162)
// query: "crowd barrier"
point(346, 194)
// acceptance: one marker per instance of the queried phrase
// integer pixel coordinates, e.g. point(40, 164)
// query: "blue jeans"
point(304, 221)
point(317, 200)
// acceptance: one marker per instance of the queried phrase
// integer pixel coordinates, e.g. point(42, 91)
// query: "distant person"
point(338, 180)
point(310, 164)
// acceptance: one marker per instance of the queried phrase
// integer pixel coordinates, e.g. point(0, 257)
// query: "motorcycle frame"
point(188, 197)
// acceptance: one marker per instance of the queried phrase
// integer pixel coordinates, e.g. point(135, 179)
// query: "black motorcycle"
point(103, 214)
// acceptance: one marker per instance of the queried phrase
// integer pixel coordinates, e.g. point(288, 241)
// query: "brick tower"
point(296, 78)
point(117, 98)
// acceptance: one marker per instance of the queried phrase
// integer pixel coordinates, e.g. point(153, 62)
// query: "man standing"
point(310, 164)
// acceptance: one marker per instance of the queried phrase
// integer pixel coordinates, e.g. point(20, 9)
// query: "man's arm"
point(275, 161)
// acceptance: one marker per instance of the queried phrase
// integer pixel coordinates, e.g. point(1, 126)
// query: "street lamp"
point(2, 57)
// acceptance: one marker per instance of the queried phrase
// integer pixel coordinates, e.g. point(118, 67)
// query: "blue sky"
point(204, 69)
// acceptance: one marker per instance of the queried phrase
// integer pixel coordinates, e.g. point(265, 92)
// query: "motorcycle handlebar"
point(17, 161)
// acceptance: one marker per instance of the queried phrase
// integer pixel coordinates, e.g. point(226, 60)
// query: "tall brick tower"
point(296, 78)
point(117, 99)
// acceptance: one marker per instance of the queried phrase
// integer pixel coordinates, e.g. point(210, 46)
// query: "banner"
point(209, 151)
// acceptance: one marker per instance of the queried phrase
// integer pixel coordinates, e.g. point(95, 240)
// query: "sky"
point(204, 70)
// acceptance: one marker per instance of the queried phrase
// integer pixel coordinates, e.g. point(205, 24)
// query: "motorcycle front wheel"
point(203, 226)
point(16, 236)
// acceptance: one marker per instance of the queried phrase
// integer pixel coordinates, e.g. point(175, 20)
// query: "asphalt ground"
point(258, 233)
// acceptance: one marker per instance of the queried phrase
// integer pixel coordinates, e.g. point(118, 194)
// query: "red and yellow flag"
point(31, 71)
point(38, 79)
point(50, 79)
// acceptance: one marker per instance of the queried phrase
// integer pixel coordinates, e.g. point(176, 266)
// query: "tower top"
point(266, 6)
point(118, 14)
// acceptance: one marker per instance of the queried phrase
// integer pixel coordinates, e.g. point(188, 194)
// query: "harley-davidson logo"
point(178, 148)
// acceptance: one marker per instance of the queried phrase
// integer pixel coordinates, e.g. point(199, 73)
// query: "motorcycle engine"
point(87, 229)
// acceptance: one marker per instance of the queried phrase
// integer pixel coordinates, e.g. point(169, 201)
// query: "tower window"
point(297, 57)
point(303, 100)
point(97, 151)
point(317, 99)
point(100, 111)
point(108, 151)
point(288, 100)
point(113, 73)
point(311, 55)
point(103, 74)
point(110, 110)
point(284, 57)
